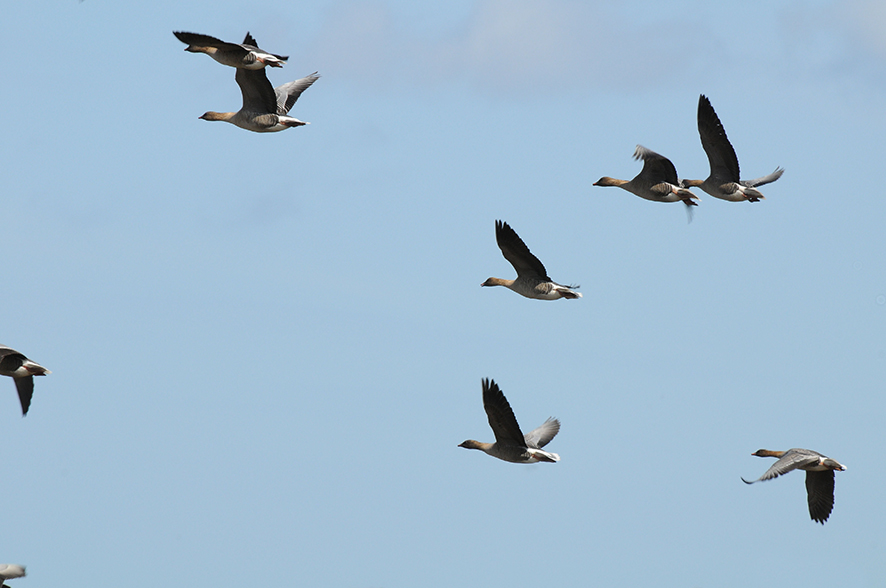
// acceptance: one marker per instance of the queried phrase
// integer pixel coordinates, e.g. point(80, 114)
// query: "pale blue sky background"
point(266, 348)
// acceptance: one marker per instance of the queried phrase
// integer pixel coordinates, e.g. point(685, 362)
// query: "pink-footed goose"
point(264, 108)
point(510, 443)
point(532, 279)
point(724, 180)
point(657, 181)
point(819, 476)
point(246, 55)
point(22, 370)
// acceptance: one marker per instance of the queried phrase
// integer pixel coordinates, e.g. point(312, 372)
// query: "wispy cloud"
point(533, 47)
point(526, 46)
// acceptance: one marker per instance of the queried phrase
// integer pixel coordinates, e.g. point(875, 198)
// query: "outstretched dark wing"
point(25, 387)
point(258, 93)
point(517, 253)
point(721, 155)
point(656, 168)
point(199, 40)
point(501, 417)
point(820, 494)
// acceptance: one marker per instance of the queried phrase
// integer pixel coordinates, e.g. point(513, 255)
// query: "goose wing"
point(501, 417)
point(251, 44)
point(25, 388)
point(791, 460)
point(764, 180)
point(820, 494)
point(517, 253)
point(258, 93)
point(199, 40)
point(10, 360)
point(721, 155)
point(541, 436)
point(288, 93)
point(656, 168)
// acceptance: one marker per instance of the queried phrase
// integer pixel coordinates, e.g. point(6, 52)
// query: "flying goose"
point(532, 279)
point(22, 370)
point(657, 180)
point(264, 108)
point(724, 180)
point(246, 55)
point(819, 476)
point(510, 443)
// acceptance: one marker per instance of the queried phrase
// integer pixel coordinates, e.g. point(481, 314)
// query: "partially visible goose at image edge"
point(264, 108)
point(510, 442)
point(246, 55)
point(22, 370)
point(10, 571)
point(724, 181)
point(657, 181)
point(819, 476)
point(532, 279)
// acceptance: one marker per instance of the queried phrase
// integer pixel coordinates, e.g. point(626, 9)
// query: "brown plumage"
point(510, 442)
point(819, 476)
point(532, 279)
point(240, 55)
point(657, 181)
point(724, 180)
point(264, 108)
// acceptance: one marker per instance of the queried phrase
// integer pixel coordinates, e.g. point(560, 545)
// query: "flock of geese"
point(266, 109)
point(658, 179)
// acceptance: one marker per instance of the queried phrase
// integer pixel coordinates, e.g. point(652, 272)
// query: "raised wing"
point(656, 168)
point(721, 155)
point(541, 436)
point(517, 253)
point(764, 180)
point(288, 93)
point(258, 93)
point(501, 417)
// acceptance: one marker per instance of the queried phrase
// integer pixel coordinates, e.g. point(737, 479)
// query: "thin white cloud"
point(525, 46)
point(866, 22)
point(534, 47)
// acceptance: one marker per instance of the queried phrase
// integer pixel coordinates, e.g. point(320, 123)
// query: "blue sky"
point(266, 347)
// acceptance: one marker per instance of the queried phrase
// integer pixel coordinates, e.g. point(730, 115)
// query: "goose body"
point(241, 55)
point(510, 442)
point(532, 279)
point(819, 476)
point(724, 180)
point(22, 370)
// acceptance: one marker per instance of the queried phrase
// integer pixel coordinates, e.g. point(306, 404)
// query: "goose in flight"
point(724, 181)
point(265, 108)
point(819, 476)
point(246, 54)
point(532, 279)
point(510, 442)
point(657, 181)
